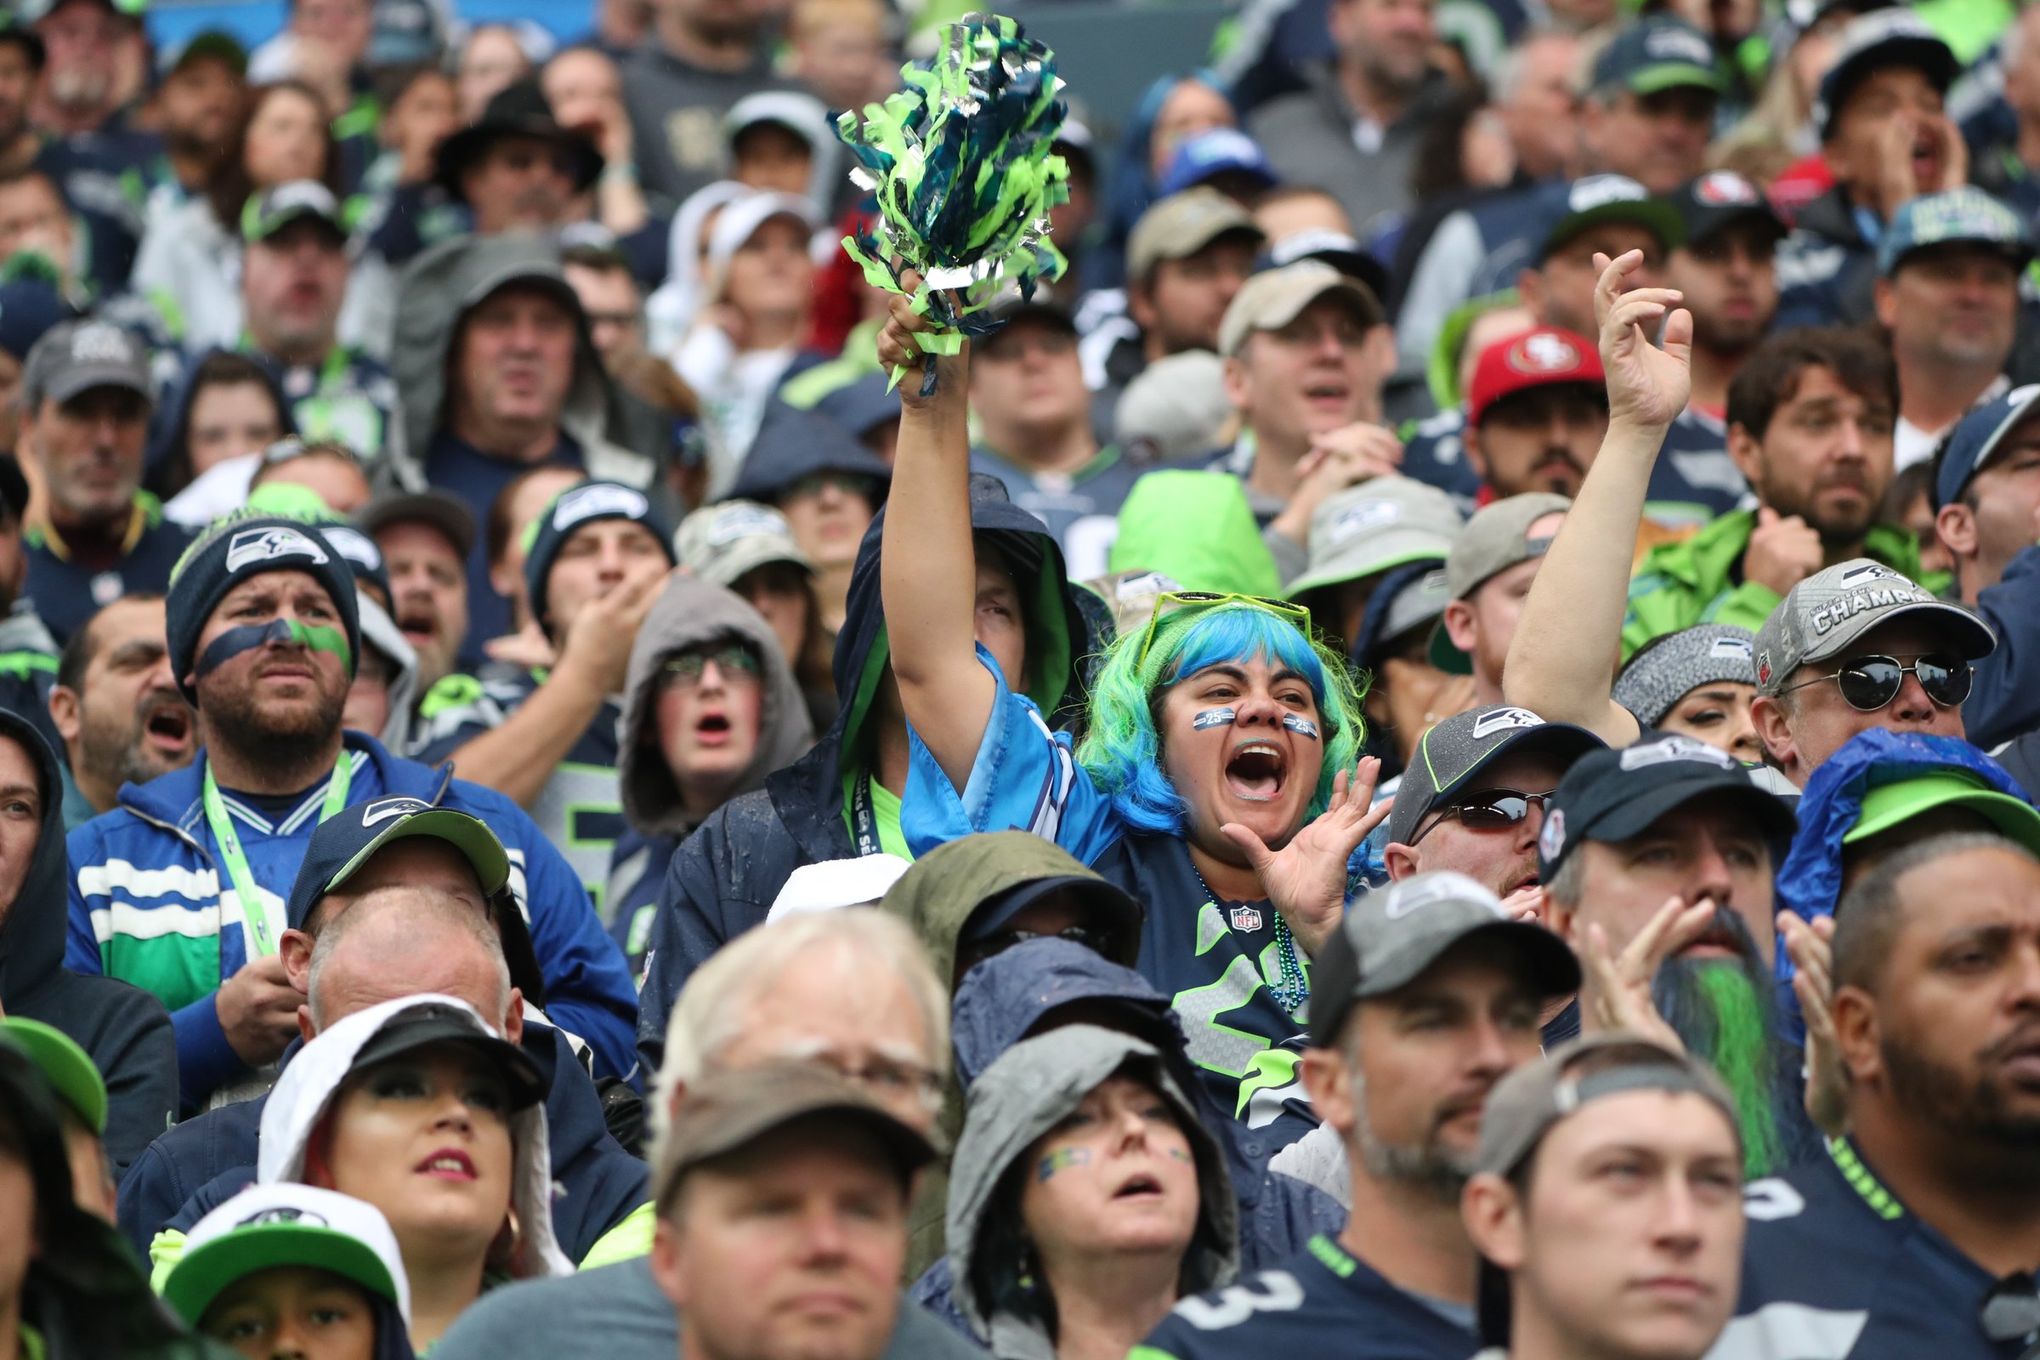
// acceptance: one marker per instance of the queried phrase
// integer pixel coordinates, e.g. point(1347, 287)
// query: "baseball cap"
point(1872, 42)
point(361, 553)
point(285, 1223)
point(1180, 225)
point(1335, 248)
point(1827, 612)
point(1174, 408)
point(1674, 664)
point(448, 514)
point(1495, 539)
point(721, 542)
point(213, 43)
point(75, 356)
point(66, 1066)
point(1957, 215)
point(1214, 152)
point(1612, 198)
point(1656, 53)
point(1408, 598)
point(433, 1021)
point(1539, 358)
point(346, 841)
point(1381, 523)
point(1718, 199)
point(729, 1111)
point(1890, 805)
point(800, 114)
point(1975, 440)
point(272, 210)
point(1273, 298)
point(1388, 936)
point(1611, 795)
point(1451, 756)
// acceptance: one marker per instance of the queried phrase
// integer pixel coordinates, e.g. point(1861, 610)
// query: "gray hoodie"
point(437, 291)
point(382, 633)
point(1034, 1086)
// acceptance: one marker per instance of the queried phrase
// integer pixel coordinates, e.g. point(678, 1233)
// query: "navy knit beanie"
point(229, 552)
point(572, 508)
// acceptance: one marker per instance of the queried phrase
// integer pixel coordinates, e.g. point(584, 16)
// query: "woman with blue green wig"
point(1218, 781)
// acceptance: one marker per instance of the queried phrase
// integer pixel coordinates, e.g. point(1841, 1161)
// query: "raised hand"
point(1306, 879)
point(899, 348)
point(1810, 946)
point(1648, 385)
point(1616, 993)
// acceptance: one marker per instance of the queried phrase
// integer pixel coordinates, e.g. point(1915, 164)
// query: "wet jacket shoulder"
point(2004, 701)
point(125, 1031)
point(1024, 1094)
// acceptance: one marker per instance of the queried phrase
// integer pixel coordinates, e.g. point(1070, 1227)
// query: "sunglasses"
point(1174, 601)
point(1869, 683)
point(1489, 810)
point(685, 670)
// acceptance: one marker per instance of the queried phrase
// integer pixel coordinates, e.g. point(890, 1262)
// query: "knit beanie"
point(230, 551)
point(576, 506)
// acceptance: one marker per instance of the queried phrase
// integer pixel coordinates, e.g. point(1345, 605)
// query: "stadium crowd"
point(1429, 753)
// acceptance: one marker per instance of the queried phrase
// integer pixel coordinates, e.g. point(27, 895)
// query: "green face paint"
point(1061, 1160)
point(249, 636)
point(321, 638)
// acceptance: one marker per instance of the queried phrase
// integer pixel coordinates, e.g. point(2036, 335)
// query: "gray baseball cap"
point(1525, 1104)
point(1388, 936)
point(1273, 298)
point(1175, 408)
point(1379, 524)
point(721, 542)
point(1182, 224)
point(76, 356)
point(1674, 665)
point(1829, 611)
point(1495, 539)
point(1453, 753)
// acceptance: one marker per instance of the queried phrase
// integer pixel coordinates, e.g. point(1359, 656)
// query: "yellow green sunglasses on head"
point(1178, 600)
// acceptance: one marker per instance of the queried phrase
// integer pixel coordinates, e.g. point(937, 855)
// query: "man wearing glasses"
point(1856, 646)
point(1474, 795)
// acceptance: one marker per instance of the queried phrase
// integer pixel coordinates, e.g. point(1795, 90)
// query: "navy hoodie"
point(200, 1163)
point(724, 877)
point(125, 1031)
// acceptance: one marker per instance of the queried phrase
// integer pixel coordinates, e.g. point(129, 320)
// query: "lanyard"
point(261, 932)
point(863, 822)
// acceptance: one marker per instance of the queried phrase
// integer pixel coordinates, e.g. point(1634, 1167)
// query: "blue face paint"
point(1300, 725)
point(1213, 717)
point(249, 636)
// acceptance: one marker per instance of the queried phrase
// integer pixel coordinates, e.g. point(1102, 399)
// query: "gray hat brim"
point(1386, 551)
point(1546, 959)
point(81, 378)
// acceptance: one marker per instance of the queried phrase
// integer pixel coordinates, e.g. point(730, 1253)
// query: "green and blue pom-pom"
point(962, 164)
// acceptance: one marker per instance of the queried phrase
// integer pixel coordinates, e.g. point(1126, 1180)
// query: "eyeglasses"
point(2011, 1312)
point(1174, 600)
point(736, 664)
point(1869, 683)
point(1489, 810)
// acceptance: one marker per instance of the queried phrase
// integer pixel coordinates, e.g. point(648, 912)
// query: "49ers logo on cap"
point(1722, 187)
point(1543, 352)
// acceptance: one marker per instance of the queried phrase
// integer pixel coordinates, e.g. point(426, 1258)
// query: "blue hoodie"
point(148, 904)
point(1003, 999)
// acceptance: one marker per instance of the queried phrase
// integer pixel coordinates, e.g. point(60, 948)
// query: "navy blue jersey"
point(1322, 1302)
point(1693, 480)
point(67, 591)
point(580, 808)
point(1835, 1268)
point(1434, 452)
point(1080, 508)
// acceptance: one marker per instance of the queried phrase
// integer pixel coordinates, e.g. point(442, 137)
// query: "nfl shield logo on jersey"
point(1246, 918)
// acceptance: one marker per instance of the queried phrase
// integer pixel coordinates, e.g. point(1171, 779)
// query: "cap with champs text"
point(1381, 523)
point(734, 1110)
point(1977, 438)
point(1960, 216)
point(1273, 298)
point(1388, 936)
point(1180, 225)
point(1543, 357)
point(1614, 795)
point(1451, 756)
point(1830, 610)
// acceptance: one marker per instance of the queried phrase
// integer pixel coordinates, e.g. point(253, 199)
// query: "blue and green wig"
point(1121, 750)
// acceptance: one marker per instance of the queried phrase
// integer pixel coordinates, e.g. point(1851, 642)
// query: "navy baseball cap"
point(1612, 795)
point(1658, 53)
point(1872, 42)
point(1976, 439)
point(350, 838)
point(1612, 198)
point(1964, 215)
point(1216, 152)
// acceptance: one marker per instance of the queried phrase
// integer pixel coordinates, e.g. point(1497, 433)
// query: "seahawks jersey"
point(1323, 1302)
point(1221, 964)
point(1835, 1268)
point(580, 808)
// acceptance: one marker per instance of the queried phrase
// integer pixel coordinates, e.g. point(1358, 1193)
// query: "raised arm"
point(1561, 663)
point(928, 563)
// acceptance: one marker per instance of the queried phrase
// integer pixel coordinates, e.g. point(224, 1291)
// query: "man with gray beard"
point(1425, 997)
point(1658, 863)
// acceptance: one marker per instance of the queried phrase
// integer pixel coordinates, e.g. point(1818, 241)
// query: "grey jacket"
point(1308, 136)
point(1034, 1086)
point(435, 294)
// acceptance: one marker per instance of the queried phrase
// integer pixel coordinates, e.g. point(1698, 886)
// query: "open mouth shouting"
point(419, 625)
point(712, 729)
point(1141, 1185)
point(166, 724)
point(1256, 771)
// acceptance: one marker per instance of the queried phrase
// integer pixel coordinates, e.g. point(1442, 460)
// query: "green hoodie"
point(1196, 528)
point(1698, 580)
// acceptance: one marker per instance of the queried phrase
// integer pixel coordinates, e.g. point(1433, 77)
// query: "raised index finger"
point(1609, 285)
